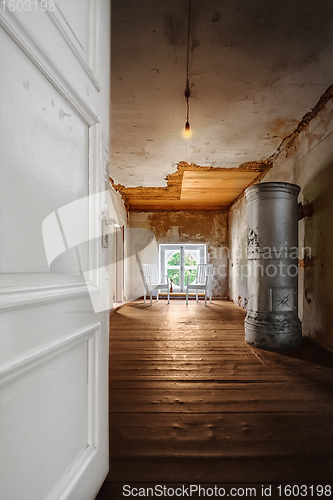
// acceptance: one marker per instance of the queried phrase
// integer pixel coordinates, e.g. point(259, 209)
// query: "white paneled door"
point(54, 151)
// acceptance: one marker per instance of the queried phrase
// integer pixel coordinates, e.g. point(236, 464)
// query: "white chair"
point(203, 282)
point(152, 282)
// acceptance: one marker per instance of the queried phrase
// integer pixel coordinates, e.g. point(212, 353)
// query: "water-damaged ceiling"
point(255, 68)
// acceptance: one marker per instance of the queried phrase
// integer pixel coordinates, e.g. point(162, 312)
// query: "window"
point(180, 262)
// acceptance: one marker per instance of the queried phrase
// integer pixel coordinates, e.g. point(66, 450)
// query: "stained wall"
point(140, 248)
point(209, 227)
point(304, 158)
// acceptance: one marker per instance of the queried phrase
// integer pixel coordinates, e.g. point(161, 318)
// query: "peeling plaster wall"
point(238, 252)
point(140, 248)
point(305, 159)
point(192, 227)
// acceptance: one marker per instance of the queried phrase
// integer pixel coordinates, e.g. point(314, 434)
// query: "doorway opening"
point(180, 261)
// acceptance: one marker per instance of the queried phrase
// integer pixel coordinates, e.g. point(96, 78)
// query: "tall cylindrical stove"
point(272, 320)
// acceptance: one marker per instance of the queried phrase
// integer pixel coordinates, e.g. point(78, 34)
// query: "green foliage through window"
point(174, 274)
point(174, 260)
point(189, 260)
point(191, 273)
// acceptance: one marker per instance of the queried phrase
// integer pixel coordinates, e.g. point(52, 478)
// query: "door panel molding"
point(39, 364)
point(62, 490)
point(16, 298)
point(54, 378)
point(21, 35)
point(23, 365)
point(60, 22)
point(36, 287)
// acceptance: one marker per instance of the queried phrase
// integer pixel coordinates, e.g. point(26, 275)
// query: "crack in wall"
point(133, 195)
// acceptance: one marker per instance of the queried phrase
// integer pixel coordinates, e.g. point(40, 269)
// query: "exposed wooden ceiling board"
point(193, 187)
point(215, 187)
point(176, 207)
point(218, 174)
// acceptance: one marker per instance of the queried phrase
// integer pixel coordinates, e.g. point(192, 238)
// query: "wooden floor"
point(192, 403)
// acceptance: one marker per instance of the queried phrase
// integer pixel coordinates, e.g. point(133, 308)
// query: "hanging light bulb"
point(187, 131)
point(187, 124)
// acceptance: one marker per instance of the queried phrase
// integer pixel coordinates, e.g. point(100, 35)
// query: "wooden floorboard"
point(192, 403)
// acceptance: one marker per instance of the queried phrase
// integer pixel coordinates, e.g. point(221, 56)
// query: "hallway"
point(192, 403)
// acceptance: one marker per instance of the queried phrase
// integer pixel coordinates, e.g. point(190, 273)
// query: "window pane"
point(174, 260)
point(189, 260)
point(174, 275)
point(192, 273)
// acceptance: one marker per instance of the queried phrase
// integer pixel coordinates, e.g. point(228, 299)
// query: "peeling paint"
point(260, 89)
point(253, 241)
point(281, 127)
point(306, 262)
point(308, 294)
point(192, 227)
point(290, 140)
point(174, 182)
point(304, 158)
